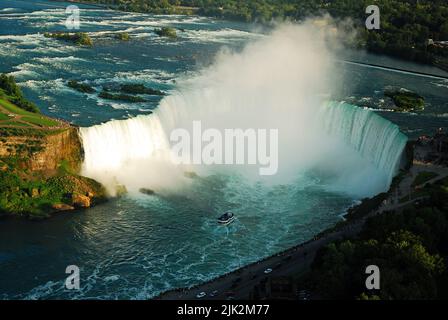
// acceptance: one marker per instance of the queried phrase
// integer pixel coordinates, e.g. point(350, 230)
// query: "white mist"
point(277, 82)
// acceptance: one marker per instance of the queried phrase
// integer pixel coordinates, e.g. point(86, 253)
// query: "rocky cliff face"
point(63, 146)
point(39, 173)
point(44, 151)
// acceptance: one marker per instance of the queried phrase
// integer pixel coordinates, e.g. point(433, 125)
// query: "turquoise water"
point(137, 246)
point(133, 249)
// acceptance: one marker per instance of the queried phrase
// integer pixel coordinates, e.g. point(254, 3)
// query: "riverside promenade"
point(240, 283)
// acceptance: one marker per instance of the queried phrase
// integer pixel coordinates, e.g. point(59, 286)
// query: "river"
point(136, 246)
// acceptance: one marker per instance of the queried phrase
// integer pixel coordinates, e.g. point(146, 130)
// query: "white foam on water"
point(54, 86)
point(23, 39)
point(25, 70)
point(441, 84)
point(8, 10)
point(146, 76)
point(219, 36)
point(51, 60)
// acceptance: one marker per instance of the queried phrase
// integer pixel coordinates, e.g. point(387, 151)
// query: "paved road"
point(298, 259)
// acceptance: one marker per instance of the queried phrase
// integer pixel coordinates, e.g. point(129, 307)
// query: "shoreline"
point(40, 159)
point(51, 214)
point(239, 283)
point(304, 251)
point(350, 224)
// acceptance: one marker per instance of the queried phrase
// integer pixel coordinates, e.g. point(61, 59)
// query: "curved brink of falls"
point(273, 83)
point(377, 140)
point(139, 147)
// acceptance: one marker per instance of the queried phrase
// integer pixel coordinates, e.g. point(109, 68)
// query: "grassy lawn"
point(13, 108)
point(423, 177)
point(32, 118)
point(40, 121)
point(15, 123)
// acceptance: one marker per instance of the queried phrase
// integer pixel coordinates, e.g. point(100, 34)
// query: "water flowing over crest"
point(281, 81)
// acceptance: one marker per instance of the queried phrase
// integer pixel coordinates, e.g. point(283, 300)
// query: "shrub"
point(166, 32)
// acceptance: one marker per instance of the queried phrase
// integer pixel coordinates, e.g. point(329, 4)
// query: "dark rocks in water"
point(62, 207)
point(166, 32)
point(138, 88)
point(127, 92)
point(120, 97)
point(81, 201)
point(81, 87)
point(146, 191)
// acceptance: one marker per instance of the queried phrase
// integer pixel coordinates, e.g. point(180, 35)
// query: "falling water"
point(274, 83)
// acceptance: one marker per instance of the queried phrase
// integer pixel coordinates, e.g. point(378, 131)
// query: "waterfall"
point(274, 83)
point(111, 145)
point(116, 153)
point(375, 138)
point(123, 151)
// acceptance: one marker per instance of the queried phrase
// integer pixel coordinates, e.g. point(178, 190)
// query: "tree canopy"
point(9, 87)
point(409, 247)
point(405, 25)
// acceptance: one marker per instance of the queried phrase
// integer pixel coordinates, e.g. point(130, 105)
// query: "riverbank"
point(297, 261)
point(40, 160)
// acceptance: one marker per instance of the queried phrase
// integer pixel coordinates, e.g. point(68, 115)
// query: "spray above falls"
point(281, 82)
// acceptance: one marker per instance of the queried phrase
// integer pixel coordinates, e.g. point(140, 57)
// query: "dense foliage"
point(409, 247)
point(9, 88)
point(35, 197)
point(406, 100)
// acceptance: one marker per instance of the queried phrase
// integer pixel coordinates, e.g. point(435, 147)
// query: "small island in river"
point(405, 100)
point(78, 38)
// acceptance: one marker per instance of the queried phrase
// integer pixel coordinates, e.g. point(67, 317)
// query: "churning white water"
point(278, 82)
